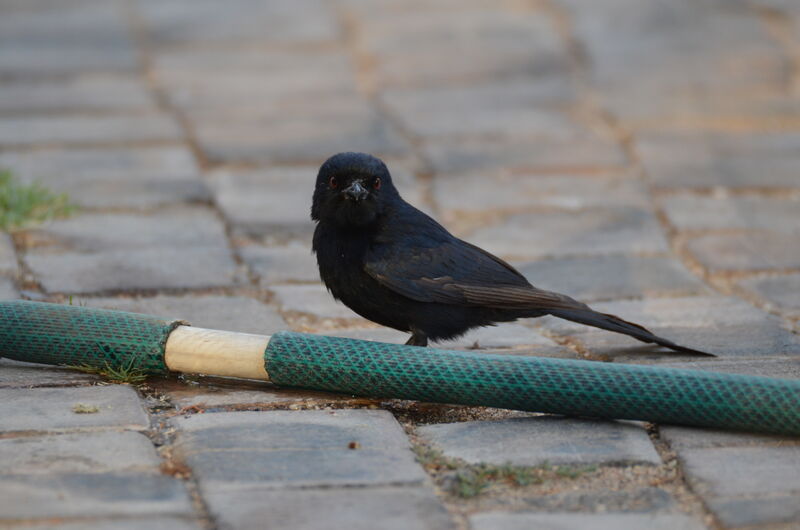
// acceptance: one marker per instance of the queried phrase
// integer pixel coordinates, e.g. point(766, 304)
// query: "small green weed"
point(124, 373)
point(22, 205)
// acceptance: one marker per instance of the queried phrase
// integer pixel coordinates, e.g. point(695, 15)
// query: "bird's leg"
point(417, 339)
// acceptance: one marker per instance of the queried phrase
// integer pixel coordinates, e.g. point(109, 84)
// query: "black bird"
point(394, 265)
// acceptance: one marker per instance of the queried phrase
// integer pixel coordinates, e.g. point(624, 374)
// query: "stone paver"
point(576, 521)
point(91, 495)
point(8, 290)
point(540, 440)
point(150, 268)
point(711, 160)
point(128, 177)
point(754, 251)
point(559, 234)
point(87, 94)
point(321, 509)
point(182, 247)
point(749, 212)
point(296, 448)
point(83, 130)
point(152, 523)
point(780, 292)
point(290, 263)
point(266, 203)
point(231, 313)
point(14, 374)
point(607, 277)
point(528, 154)
point(45, 409)
point(78, 453)
point(507, 190)
point(761, 488)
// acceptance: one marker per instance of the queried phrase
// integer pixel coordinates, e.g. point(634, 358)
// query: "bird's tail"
point(614, 323)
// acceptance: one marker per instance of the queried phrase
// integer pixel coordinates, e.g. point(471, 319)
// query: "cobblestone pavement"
point(640, 155)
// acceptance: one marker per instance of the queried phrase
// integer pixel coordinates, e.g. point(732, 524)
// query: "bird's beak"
point(355, 191)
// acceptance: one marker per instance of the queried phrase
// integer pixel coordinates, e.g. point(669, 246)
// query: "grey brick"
point(311, 299)
point(510, 110)
point(704, 160)
point(322, 509)
point(737, 512)
point(95, 232)
point(276, 137)
point(296, 448)
point(91, 495)
point(106, 178)
point(577, 521)
point(98, 452)
point(148, 268)
point(14, 374)
point(46, 409)
point(31, 62)
point(752, 251)
point(608, 277)
point(82, 94)
point(689, 212)
point(82, 130)
point(309, 22)
point(267, 202)
point(8, 290)
point(151, 523)
point(640, 51)
point(230, 313)
point(757, 470)
point(293, 262)
point(258, 77)
point(537, 440)
point(509, 190)
point(780, 292)
point(524, 154)
point(424, 47)
point(557, 234)
point(680, 438)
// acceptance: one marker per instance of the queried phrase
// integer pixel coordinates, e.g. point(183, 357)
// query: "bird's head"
point(352, 189)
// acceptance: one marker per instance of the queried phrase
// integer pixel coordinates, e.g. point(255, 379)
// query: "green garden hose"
point(69, 335)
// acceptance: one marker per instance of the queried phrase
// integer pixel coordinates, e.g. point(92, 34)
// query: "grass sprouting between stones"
point(471, 480)
point(124, 373)
point(23, 205)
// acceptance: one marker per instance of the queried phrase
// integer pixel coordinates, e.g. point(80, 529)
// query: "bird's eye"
point(377, 183)
point(332, 182)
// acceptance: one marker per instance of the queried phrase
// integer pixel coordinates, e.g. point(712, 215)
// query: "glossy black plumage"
point(394, 265)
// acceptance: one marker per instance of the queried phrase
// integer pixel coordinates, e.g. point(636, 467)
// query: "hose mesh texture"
point(578, 388)
point(38, 332)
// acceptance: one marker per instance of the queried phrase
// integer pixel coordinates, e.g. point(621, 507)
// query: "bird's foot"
point(417, 339)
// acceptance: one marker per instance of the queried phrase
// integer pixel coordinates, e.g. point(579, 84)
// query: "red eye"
point(333, 182)
point(377, 183)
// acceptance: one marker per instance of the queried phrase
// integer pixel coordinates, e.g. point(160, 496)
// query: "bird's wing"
point(455, 272)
